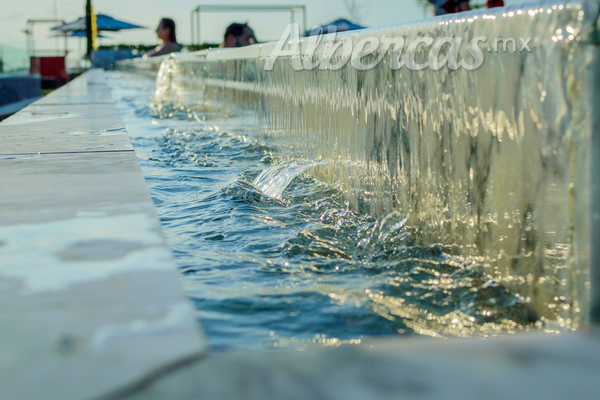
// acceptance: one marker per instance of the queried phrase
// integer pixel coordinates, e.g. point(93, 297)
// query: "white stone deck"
point(90, 295)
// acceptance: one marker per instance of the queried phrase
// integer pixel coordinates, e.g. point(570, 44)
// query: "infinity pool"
point(272, 257)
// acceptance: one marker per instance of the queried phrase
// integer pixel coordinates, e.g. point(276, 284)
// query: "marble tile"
point(89, 89)
point(64, 128)
point(528, 366)
point(84, 353)
point(42, 188)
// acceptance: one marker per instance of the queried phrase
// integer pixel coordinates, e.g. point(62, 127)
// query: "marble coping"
point(523, 366)
point(91, 298)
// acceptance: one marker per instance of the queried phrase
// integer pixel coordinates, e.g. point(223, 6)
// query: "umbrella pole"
point(88, 28)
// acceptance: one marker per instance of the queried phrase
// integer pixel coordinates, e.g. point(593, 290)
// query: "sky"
point(267, 26)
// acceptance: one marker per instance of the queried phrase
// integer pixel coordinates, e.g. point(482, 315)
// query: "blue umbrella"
point(77, 34)
point(339, 25)
point(103, 22)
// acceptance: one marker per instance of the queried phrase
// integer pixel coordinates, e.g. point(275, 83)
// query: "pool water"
point(272, 257)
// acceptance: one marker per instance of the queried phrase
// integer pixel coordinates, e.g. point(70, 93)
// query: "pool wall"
point(494, 164)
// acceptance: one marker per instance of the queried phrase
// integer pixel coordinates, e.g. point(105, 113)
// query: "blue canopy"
point(339, 25)
point(103, 23)
point(76, 34)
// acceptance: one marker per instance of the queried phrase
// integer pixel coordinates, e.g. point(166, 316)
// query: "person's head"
point(166, 30)
point(238, 35)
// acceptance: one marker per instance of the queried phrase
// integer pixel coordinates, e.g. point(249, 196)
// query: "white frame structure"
point(195, 25)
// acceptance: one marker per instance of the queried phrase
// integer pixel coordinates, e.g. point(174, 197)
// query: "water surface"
point(272, 257)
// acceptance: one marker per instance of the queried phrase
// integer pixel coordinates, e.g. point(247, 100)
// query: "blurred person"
point(238, 35)
point(442, 7)
point(165, 32)
point(495, 3)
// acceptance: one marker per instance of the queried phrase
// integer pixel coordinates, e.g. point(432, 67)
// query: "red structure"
point(50, 65)
point(49, 68)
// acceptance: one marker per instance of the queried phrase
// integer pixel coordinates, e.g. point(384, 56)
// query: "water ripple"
point(273, 257)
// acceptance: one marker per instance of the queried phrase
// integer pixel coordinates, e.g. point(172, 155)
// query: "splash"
point(273, 180)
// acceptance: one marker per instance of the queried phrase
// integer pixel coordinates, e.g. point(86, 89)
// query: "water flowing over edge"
point(273, 180)
point(492, 163)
